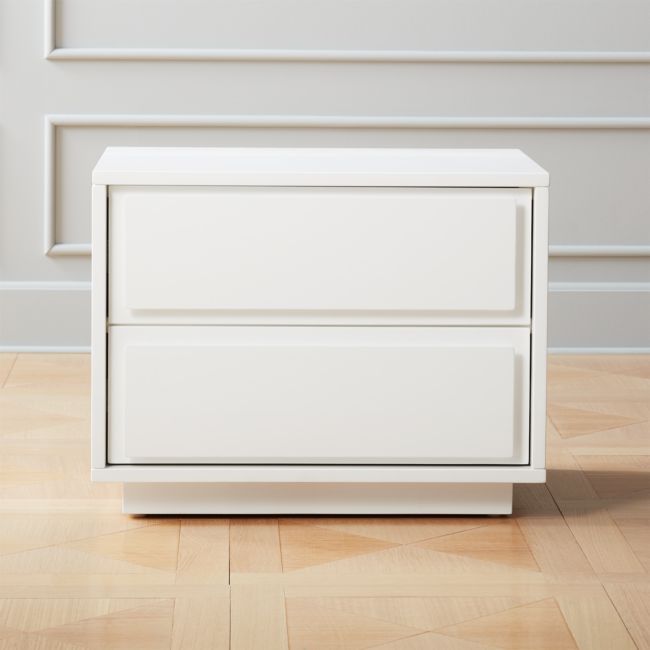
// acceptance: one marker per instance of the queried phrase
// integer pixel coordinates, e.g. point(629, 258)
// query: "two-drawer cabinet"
point(318, 330)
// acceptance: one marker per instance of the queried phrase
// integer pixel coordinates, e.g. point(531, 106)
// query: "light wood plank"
point(636, 365)
point(599, 386)
point(633, 604)
point(594, 622)
point(144, 626)
point(618, 476)
point(397, 530)
point(600, 539)
point(254, 546)
point(572, 420)
point(203, 551)
point(25, 531)
point(7, 361)
point(154, 547)
point(550, 540)
point(413, 580)
point(321, 625)
point(201, 624)
point(412, 613)
point(309, 545)
point(591, 524)
point(534, 626)
point(47, 588)
point(31, 615)
point(429, 640)
point(636, 531)
point(55, 372)
point(258, 618)
point(527, 592)
point(501, 543)
point(565, 479)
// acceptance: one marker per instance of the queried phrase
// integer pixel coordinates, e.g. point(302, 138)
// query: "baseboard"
point(54, 349)
point(561, 351)
point(599, 318)
point(45, 316)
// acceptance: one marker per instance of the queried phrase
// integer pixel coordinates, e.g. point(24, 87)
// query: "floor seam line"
point(620, 616)
point(11, 369)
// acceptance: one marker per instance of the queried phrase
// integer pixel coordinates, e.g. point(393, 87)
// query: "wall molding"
point(53, 248)
point(30, 285)
point(44, 316)
point(54, 349)
point(53, 52)
point(601, 350)
point(599, 287)
point(599, 250)
point(348, 121)
point(595, 316)
point(345, 56)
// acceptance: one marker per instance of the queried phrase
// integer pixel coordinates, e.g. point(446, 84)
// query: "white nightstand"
point(318, 330)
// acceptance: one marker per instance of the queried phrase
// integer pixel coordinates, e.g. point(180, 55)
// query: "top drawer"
point(319, 255)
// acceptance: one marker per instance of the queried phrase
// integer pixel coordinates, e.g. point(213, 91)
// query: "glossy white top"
point(312, 167)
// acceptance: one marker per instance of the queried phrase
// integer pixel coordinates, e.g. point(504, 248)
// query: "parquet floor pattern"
point(568, 570)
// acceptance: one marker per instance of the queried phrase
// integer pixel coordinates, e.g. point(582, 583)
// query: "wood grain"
point(569, 569)
point(258, 618)
point(255, 546)
point(201, 623)
point(594, 622)
point(633, 603)
point(203, 551)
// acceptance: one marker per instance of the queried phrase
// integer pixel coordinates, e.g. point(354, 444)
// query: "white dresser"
point(318, 330)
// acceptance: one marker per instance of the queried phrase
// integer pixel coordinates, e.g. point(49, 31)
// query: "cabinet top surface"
point(314, 167)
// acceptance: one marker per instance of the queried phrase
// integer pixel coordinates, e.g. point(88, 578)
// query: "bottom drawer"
point(384, 395)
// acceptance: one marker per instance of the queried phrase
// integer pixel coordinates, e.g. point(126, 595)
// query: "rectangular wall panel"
point(381, 25)
point(599, 192)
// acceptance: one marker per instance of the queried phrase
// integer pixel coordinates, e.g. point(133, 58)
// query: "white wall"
point(566, 80)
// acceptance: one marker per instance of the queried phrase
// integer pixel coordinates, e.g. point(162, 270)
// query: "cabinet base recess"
point(318, 498)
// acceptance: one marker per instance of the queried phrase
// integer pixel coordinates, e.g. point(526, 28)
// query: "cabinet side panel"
point(538, 339)
point(98, 327)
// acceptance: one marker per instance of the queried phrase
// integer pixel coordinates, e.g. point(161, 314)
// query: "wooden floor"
point(569, 570)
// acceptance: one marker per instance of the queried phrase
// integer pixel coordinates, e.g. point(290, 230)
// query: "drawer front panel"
point(318, 395)
point(184, 255)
